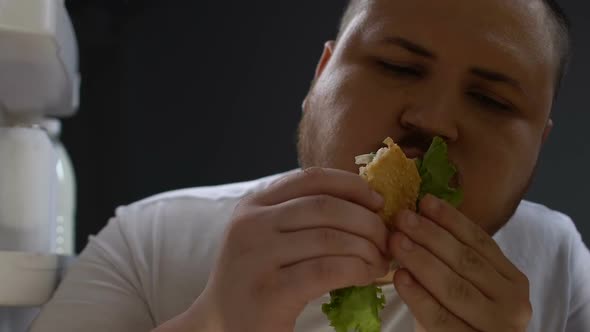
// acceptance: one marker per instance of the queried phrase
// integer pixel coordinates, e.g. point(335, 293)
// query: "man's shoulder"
point(214, 194)
point(182, 223)
point(537, 233)
point(186, 211)
point(546, 245)
point(541, 220)
point(169, 240)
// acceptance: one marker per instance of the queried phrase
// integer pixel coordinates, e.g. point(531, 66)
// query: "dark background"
point(182, 93)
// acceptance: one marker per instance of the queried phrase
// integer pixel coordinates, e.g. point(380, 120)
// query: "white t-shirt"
point(153, 259)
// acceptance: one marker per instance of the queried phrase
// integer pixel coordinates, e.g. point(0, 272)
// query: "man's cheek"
point(481, 202)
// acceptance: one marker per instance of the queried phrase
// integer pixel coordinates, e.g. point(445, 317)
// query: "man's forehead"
point(532, 10)
point(521, 24)
point(497, 3)
point(511, 37)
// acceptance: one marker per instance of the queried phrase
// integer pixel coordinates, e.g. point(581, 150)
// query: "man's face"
point(478, 73)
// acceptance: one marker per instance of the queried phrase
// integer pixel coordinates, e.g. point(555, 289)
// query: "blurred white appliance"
point(39, 83)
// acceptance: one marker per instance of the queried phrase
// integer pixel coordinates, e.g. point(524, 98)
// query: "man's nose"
point(434, 114)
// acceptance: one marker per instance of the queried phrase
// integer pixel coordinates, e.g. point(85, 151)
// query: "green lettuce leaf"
point(355, 309)
point(436, 172)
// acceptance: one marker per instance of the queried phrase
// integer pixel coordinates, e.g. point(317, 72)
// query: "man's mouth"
point(417, 152)
point(414, 145)
point(455, 181)
point(413, 152)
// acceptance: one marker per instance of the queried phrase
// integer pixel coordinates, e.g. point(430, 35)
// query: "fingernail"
point(393, 265)
point(377, 197)
point(406, 279)
point(430, 202)
point(406, 243)
point(411, 219)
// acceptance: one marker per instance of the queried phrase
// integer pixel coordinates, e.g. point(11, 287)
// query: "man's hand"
point(307, 234)
point(454, 275)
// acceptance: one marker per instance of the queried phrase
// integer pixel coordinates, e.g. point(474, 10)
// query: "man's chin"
point(513, 205)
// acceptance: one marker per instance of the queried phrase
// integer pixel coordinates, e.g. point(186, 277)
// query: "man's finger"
point(456, 294)
point(462, 259)
point(313, 243)
point(313, 278)
point(471, 234)
point(331, 212)
point(321, 181)
point(431, 315)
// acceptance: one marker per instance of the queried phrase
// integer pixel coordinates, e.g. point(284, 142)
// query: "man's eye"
point(402, 70)
point(489, 102)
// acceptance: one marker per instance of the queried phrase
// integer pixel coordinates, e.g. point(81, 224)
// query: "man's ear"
point(324, 59)
point(326, 56)
point(547, 130)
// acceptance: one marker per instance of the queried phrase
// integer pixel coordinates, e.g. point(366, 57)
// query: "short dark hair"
point(562, 31)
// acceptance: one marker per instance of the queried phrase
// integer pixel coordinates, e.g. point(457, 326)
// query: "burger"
point(402, 182)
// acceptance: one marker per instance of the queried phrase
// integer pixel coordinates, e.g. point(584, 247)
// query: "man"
point(261, 255)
